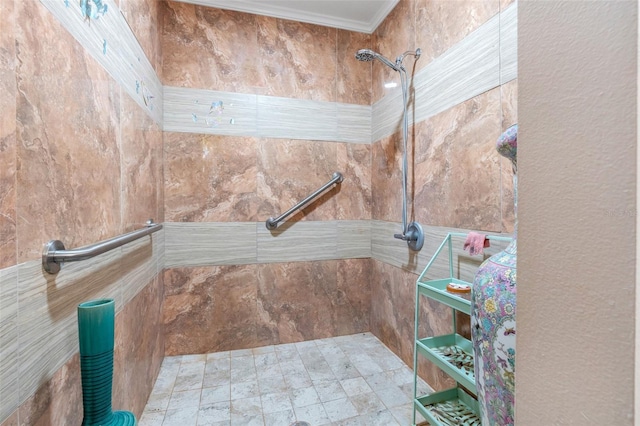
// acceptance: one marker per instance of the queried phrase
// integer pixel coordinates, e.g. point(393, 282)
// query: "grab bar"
point(54, 253)
point(272, 223)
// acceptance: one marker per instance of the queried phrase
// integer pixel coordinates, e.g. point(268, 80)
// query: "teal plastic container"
point(96, 331)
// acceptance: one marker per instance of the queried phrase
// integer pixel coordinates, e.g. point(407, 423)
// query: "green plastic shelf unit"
point(449, 407)
point(437, 289)
point(441, 351)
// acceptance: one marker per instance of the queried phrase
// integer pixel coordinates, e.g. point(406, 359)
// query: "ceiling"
point(354, 15)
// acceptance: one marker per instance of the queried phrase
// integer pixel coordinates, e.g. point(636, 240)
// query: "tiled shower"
point(210, 121)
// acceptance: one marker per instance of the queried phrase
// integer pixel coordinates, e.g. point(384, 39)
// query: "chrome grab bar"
point(54, 253)
point(272, 223)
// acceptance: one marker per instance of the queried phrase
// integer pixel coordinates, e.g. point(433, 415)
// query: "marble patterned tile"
point(57, 401)
point(140, 150)
point(145, 20)
point(395, 35)
point(49, 149)
point(298, 59)
point(444, 23)
point(313, 413)
point(289, 170)
point(292, 302)
point(200, 48)
point(181, 416)
point(340, 409)
point(211, 178)
point(458, 167)
point(197, 315)
point(354, 198)
point(7, 136)
point(354, 77)
point(110, 41)
point(386, 178)
point(137, 365)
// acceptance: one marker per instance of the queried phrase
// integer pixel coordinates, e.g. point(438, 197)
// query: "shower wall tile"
point(12, 420)
point(354, 198)
point(209, 48)
point(441, 24)
point(140, 150)
point(7, 136)
point(295, 301)
point(395, 35)
point(236, 114)
point(56, 198)
point(39, 366)
point(354, 239)
point(394, 252)
point(216, 49)
point(47, 327)
point(138, 264)
point(458, 166)
point(386, 115)
point(290, 170)
point(136, 366)
point(386, 178)
point(481, 61)
point(210, 309)
point(353, 77)
point(298, 241)
point(466, 70)
point(297, 59)
point(301, 119)
point(58, 401)
point(354, 123)
point(139, 349)
point(110, 42)
point(509, 43)
point(145, 20)
point(273, 303)
point(193, 244)
point(210, 178)
point(8, 341)
point(392, 318)
point(208, 111)
point(236, 243)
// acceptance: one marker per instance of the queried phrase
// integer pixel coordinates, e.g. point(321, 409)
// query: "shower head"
point(367, 55)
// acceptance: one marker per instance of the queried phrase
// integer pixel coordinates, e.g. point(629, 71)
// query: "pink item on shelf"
point(475, 243)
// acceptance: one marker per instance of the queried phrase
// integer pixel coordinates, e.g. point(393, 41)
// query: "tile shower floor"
point(347, 380)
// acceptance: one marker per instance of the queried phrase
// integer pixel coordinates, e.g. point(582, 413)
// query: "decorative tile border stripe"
point(236, 243)
point(38, 326)
point(509, 44)
point(237, 114)
point(395, 252)
point(482, 61)
point(110, 41)
point(199, 244)
point(9, 398)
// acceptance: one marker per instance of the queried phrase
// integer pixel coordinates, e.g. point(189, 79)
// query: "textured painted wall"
point(80, 161)
point(577, 213)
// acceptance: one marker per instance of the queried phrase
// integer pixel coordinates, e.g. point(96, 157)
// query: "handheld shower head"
point(368, 55)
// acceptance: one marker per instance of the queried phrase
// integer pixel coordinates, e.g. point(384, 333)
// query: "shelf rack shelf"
point(452, 353)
